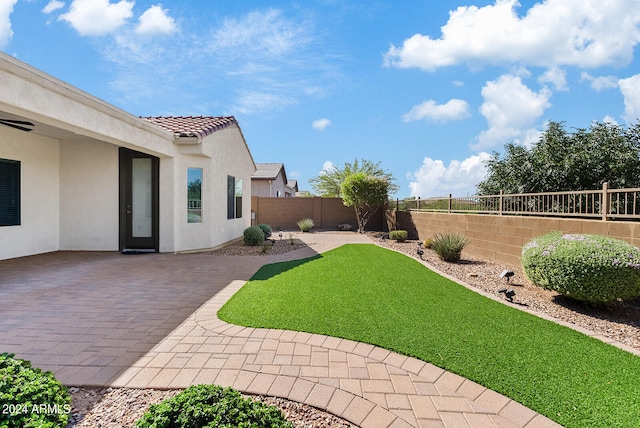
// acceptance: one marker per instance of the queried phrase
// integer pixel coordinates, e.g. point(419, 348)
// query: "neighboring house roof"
point(268, 171)
point(192, 126)
point(293, 184)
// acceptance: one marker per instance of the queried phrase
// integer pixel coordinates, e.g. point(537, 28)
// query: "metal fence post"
point(450, 203)
point(418, 207)
point(501, 193)
point(604, 206)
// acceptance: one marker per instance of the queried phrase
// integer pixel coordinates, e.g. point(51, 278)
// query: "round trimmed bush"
point(212, 406)
point(266, 229)
point(399, 235)
point(253, 236)
point(30, 397)
point(590, 268)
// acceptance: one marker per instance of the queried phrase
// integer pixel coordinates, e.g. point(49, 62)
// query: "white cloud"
point(551, 33)
point(155, 21)
point(6, 33)
point(327, 166)
point(433, 178)
point(321, 124)
point(600, 83)
point(453, 109)
point(630, 89)
point(252, 102)
point(52, 6)
point(557, 77)
point(97, 17)
point(510, 109)
point(268, 32)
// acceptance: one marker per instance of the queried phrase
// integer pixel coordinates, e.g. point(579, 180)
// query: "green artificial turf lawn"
point(366, 293)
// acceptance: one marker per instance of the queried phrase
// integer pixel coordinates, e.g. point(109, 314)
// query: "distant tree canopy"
point(327, 183)
point(563, 161)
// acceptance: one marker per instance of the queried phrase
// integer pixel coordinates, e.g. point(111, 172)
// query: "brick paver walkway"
point(138, 321)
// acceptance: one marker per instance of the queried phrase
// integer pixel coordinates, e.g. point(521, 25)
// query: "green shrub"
point(305, 224)
point(589, 268)
point(399, 235)
point(253, 236)
point(266, 229)
point(211, 406)
point(31, 397)
point(449, 246)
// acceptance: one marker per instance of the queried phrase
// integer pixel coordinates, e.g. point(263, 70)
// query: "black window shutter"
point(9, 192)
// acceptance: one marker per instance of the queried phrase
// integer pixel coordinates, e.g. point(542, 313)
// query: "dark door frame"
point(126, 241)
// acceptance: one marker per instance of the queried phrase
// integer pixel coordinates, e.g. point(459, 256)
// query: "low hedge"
point(30, 397)
point(253, 236)
point(266, 229)
point(399, 235)
point(210, 406)
point(590, 268)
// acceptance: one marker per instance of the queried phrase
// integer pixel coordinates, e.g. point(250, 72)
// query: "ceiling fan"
point(17, 124)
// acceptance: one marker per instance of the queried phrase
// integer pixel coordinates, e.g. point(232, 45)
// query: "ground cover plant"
point(212, 406)
point(30, 397)
point(589, 268)
point(398, 304)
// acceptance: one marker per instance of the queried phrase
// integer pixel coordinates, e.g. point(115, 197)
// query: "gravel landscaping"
point(121, 407)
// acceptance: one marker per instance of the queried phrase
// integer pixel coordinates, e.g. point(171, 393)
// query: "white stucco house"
point(270, 180)
point(77, 173)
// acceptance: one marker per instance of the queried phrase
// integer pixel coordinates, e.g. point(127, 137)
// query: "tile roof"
point(267, 171)
point(191, 126)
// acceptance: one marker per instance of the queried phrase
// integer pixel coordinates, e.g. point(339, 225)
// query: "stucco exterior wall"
point(70, 177)
point(40, 218)
point(223, 153)
point(89, 191)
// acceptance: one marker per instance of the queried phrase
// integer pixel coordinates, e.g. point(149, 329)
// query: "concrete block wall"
point(501, 238)
point(326, 213)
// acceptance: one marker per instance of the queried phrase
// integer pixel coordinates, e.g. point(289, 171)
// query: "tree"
point(563, 161)
point(365, 193)
point(327, 183)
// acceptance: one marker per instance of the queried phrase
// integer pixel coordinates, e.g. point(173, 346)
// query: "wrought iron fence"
point(605, 204)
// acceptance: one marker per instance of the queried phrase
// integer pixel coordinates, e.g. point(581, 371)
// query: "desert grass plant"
point(449, 246)
point(306, 224)
point(266, 246)
point(399, 235)
point(350, 292)
point(30, 397)
point(589, 268)
point(210, 406)
point(253, 236)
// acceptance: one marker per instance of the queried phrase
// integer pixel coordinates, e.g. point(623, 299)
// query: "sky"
point(430, 89)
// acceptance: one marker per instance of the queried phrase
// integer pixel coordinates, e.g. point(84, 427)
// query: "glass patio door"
point(138, 201)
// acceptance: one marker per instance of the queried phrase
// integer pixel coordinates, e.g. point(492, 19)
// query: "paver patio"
point(105, 319)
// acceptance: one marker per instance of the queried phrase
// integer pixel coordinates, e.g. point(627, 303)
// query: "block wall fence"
point(501, 238)
point(326, 213)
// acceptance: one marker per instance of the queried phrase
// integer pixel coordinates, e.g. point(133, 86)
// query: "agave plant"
point(449, 246)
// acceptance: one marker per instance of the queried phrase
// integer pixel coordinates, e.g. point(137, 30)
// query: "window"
point(194, 195)
point(234, 197)
point(9, 192)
